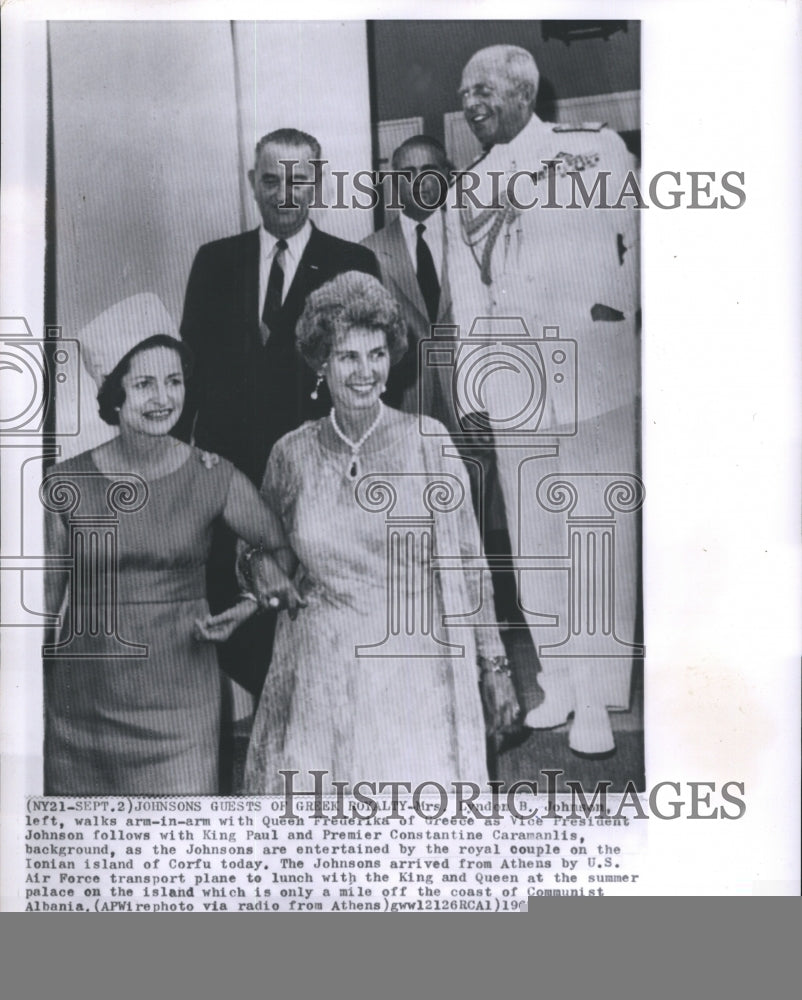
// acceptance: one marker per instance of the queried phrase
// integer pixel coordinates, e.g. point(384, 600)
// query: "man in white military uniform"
point(527, 246)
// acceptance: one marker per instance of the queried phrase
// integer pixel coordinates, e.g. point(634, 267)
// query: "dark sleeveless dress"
point(149, 724)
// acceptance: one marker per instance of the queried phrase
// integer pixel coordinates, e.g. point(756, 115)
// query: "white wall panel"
point(312, 76)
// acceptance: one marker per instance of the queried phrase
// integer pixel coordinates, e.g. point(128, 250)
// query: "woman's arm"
point(268, 562)
point(499, 697)
point(250, 516)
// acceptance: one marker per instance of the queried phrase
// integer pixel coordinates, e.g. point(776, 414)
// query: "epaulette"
point(583, 127)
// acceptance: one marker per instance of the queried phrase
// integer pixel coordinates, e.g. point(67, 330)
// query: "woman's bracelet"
point(246, 559)
point(495, 665)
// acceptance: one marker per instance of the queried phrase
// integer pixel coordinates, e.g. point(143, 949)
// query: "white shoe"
point(591, 731)
point(550, 713)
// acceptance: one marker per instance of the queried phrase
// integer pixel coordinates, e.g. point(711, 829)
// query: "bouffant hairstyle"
point(350, 300)
point(111, 394)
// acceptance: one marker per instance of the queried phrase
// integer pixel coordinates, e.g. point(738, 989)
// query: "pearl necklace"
point(353, 470)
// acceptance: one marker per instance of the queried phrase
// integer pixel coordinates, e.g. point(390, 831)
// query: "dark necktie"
point(275, 286)
point(427, 275)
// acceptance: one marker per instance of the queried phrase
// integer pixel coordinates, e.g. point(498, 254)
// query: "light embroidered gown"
point(329, 705)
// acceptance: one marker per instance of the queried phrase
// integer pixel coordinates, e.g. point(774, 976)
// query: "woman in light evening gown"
point(142, 724)
point(335, 699)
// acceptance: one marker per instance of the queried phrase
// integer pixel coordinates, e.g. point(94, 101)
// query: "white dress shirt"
point(292, 257)
point(433, 235)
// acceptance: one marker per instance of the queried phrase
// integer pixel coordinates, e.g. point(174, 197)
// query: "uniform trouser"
point(580, 599)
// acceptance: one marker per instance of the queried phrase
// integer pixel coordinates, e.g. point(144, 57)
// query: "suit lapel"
point(444, 307)
point(398, 264)
point(307, 274)
point(247, 272)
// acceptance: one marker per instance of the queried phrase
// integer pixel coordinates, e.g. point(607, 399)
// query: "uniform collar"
point(520, 143)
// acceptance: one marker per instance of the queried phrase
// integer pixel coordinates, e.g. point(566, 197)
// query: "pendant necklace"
point(353, 469)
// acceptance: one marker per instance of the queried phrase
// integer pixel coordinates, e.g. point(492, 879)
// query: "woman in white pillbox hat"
point(132, 686)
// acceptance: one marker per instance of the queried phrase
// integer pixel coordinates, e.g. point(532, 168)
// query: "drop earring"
point(314, 393)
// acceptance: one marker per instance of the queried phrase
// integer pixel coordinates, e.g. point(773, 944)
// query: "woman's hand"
point(274, 589)
point(500, 702)
point(218, 628)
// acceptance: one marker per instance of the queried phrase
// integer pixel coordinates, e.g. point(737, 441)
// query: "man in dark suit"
point(243, 300)
point(412, 254)
point(250, 387)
